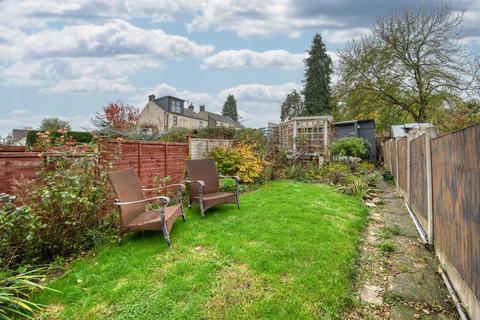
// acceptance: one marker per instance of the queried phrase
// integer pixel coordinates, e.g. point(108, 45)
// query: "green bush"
point(18, 226)
point(228, 185)
point(335, 172)
point(351, 147)
point(176, 135)
point(58, 214)
point(220, 132)
point(78, 136)
point(295, 172)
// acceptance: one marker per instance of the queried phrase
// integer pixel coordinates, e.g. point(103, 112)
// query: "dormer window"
point(176, 106)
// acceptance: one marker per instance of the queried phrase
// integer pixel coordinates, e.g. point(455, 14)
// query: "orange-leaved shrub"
point(240, 160)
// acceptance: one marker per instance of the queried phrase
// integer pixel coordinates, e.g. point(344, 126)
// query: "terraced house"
point(169, 112)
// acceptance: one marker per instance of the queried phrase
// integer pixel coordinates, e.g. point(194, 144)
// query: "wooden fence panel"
point(150, 160)
point(402, 164)
point(17, 165)
point(418, 180)
point(393, 158)
point(199, 148)
point(456, 202)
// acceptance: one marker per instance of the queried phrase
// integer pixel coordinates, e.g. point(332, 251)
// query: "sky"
point(70, 58)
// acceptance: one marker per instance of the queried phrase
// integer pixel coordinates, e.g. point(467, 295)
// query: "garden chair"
point(133, 213)
point(205, 187)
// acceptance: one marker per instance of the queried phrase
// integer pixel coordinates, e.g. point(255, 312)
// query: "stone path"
point(398, 276)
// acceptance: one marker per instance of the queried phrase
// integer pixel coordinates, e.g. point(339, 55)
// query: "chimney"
point(191, 107)
point(151, 97)
point(202, 108)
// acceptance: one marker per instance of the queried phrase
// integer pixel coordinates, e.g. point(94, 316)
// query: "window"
point(176, 106)
point(174, 120)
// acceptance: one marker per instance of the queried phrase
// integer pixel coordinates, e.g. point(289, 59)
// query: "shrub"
point(15, 292)
point(176, 135)
point(67, 201)
point(357, 188)
point(351, 147)
point(228, 185)
point(295, 172)
point(78, 136)
point(335, 172)
point(220, 132)
point(58, 213)
point(18, 226)
point(365, 167)
point(240, 160)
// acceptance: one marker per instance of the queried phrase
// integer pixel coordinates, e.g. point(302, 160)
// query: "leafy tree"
point(318, 70)
point(116, 116)
point(292, 106)
point(230, 107)
point(54, 124)
point(411, 65)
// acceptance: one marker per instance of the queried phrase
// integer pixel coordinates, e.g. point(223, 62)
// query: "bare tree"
point(412, 60)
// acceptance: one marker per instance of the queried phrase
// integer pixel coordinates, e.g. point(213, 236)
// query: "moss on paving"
point(289, 253)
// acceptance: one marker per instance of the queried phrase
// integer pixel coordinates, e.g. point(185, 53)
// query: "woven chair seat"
point(151, 220)
point(216, 195)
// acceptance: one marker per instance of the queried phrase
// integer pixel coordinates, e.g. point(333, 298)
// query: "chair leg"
point(166, 234)
point(120, 239)
point(238, 202)
point(183, 214)
point(190, 205)
point(202, 210)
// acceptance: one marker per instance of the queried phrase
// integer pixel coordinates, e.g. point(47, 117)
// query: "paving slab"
point(423, 287)
point(371, 294)
point(403, 312)
point(403, 222)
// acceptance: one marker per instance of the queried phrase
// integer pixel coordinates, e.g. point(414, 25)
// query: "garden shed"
point(359, 129)
point(307, 138)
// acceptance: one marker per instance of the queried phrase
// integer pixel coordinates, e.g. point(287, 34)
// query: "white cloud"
point(252, 18)
point(84, 85)
point(247, 58)
point(95, 58)
point(343, 36)
point(114, 38)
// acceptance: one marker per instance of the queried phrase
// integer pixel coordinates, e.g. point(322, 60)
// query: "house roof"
point(400, 130)
point(168, 96)
point(201, 115)
point(192, 114)
point(340, 123)
point(19, 134)
point(226, 119)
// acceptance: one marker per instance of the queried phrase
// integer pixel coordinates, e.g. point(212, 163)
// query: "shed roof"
point(400, 130)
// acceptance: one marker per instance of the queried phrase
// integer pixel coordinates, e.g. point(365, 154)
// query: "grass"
point(288, 253)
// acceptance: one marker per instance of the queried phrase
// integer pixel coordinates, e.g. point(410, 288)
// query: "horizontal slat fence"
point(443, 179)
point(151, 160)
point(199, 148)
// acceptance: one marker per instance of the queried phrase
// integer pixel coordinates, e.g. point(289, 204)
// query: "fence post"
point(429, 134)
point(409, 171)
point(396, 163)
point(294, 135)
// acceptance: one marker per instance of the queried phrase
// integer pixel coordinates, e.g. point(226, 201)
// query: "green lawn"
point(288, 253)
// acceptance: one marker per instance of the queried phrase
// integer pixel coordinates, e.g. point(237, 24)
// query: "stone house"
point(169, 112)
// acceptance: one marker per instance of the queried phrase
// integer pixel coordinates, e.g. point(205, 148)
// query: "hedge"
point(79, 136)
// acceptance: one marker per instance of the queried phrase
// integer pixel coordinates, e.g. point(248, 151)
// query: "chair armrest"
point(200, 182)
point(237, 178)
point(163, 201)
point(181, 187)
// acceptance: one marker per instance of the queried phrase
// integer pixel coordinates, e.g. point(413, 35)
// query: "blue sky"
point(68, 58)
